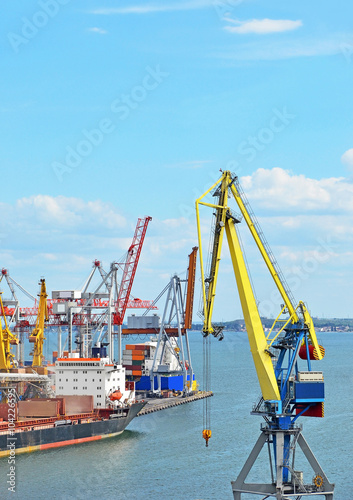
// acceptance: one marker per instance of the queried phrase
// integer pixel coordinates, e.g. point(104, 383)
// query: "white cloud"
point(99, 31)
point(269, 50)
point(62, 212)
point(279, 190)
point(347, 159)
point(262, 26)
point(60, 237)
point(151, 8)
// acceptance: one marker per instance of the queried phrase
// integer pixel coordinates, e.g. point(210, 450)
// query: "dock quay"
point(157, 404)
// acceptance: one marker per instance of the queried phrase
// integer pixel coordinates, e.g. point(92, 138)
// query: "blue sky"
point(115, 110)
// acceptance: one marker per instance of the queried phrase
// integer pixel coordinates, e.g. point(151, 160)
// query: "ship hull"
point(65, 435)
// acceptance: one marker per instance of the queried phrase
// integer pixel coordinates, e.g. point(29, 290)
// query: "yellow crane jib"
point(228, 186)
point(37, 335)
point(7, 338)
point(257, 339)
point(288, 390)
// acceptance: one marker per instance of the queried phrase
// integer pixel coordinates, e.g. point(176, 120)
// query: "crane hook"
point(206, 434)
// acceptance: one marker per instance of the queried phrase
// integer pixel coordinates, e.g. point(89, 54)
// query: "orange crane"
point(190, 289)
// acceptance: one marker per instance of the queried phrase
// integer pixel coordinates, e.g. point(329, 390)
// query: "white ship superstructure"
point(91, 376)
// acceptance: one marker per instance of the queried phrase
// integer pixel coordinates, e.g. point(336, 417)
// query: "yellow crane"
point(259, 343)
point(37, 335)
point(7, 338)
point(287, 390)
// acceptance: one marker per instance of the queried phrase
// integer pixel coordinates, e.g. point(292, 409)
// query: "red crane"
point(130, 267)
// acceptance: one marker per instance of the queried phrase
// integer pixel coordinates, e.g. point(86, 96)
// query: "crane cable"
point(206, 433)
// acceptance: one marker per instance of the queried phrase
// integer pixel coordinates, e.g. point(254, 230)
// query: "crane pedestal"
point(286, 483)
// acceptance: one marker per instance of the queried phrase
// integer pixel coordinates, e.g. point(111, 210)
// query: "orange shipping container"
point(136, 353)
point(135, 347)
point(6, 413)
point(38, 408)
point(138, 358)
point(137, 372)
point(78, 404)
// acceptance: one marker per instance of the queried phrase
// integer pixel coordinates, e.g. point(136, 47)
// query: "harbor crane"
point(7, 338)
point(288, 390)
point(37, 335)
point(119, 296)
point(178, 309)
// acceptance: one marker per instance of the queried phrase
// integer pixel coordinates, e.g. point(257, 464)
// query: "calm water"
point(163, 456)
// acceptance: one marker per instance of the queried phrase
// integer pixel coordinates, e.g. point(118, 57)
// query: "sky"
point(111, 111)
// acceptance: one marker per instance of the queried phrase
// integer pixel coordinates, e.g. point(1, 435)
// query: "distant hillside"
point(321, 324)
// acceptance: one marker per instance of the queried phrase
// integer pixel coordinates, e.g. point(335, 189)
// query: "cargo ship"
point(92, 401)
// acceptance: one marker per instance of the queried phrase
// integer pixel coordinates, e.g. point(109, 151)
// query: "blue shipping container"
point(167, 383)
point(309, 391)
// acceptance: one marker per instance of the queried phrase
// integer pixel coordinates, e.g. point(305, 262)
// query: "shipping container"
point(309, 391)
point(41, 408)
point(78, 404)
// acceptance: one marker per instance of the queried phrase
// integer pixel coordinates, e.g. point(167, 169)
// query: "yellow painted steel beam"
point(310, 325)
point(37, 335)
point(7, 338)
point(208, 297)
point(291, 307)
point(257, 340)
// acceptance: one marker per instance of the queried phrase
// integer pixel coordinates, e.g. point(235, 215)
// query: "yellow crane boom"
point(286, 394)
point(227, 185)
point(37, 335)
point(268, 257)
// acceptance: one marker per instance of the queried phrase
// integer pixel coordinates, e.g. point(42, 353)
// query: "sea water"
point(163, 456)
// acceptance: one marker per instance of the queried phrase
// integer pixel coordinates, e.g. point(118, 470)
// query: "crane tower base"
point(286, 483)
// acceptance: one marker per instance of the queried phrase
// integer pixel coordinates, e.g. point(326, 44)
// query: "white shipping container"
point(310, 377)
point(143, 321)
point(66, 294)
point(59, 308)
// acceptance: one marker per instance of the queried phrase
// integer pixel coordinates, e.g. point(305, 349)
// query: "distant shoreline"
point(321, 324)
